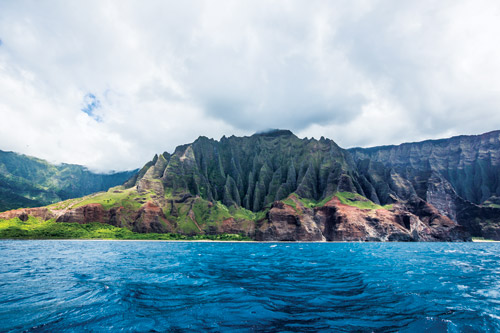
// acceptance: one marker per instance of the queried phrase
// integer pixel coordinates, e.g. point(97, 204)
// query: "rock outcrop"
point(23, 213)
point(335, 221)
point(150, 218)
point(85, 214)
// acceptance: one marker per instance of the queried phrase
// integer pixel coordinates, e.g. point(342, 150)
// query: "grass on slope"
point(346, 198)
point(35, 228)
point(359, 201)
point(64, 204)
point(116, 197)
point(491, 205)
point(206, 214)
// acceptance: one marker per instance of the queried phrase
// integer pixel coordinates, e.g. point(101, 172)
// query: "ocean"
point(142, 286)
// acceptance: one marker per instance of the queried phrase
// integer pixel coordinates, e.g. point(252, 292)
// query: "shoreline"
point(216, 241)
point(129, 240)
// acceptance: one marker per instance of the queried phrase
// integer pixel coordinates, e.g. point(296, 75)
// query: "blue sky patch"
point(91, 103)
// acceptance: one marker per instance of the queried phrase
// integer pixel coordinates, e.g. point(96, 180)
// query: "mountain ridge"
point(493, 132)
point(276, 186)
point(27, 181)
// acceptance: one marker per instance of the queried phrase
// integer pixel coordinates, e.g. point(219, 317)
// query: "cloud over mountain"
point(157, 74)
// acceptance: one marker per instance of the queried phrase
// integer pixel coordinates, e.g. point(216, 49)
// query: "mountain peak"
point(273, 132)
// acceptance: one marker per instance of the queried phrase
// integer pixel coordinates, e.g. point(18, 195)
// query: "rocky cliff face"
point(148, 218)
point(460, 177)
point(335, 221)
point(471, 164)
point(252, 172)
point(275, 186)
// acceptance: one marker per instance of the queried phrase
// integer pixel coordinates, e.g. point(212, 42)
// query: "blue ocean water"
point(48, 286)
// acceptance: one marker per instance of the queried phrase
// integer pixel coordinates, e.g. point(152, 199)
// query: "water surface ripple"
point(48, 286)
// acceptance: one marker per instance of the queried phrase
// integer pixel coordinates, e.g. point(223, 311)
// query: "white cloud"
point(164, 72)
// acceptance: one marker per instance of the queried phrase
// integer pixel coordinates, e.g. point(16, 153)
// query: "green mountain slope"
point(252, 172)
point(30, 182)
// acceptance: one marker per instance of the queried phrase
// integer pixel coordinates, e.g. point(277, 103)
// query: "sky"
point(107, 84)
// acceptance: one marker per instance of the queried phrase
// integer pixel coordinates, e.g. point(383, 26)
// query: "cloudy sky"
point(108, 84)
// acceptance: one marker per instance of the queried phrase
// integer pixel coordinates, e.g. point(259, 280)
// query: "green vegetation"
point(35, 228)
point(490, 204)
point(359, 201)
point(64, 204)
point(31, 182)
point(262, 214)
point(116, 197)
point(240, 213)
point(346, 198)
point(312, 203)
point(210, 213)
point(307, 203)
point(289, 201)
point(197, 215)
point(252, 172)
point(482, 239)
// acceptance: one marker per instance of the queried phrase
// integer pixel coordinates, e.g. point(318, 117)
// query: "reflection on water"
point(158, 286)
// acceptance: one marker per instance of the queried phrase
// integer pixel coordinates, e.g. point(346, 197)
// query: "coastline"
point(133, 240)
point(217, 241)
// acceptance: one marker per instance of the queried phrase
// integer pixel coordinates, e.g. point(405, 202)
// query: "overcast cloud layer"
point(109, 83)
